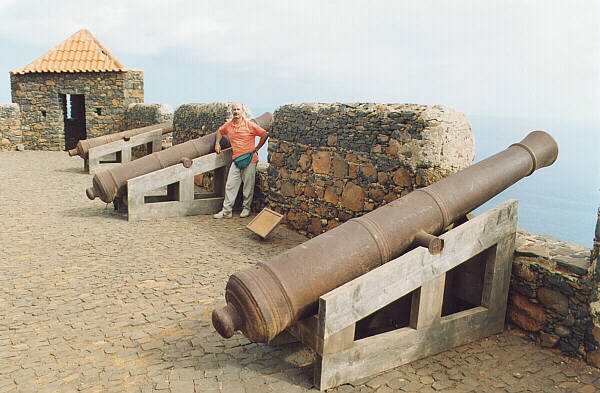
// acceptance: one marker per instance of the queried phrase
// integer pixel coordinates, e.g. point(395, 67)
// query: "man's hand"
point(217, 148)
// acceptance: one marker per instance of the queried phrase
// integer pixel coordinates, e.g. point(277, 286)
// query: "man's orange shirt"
point(242, 137)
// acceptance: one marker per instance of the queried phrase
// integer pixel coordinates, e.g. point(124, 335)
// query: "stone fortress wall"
point(107, 96)
point(192, 121)
point(332, 162)
point(554, 295)
point(11, 127)
point(142, 115)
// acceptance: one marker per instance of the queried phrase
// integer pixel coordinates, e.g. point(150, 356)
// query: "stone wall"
point(195, 120)
point(192, 121)
point(552, 293)
point(594, 356)
point(331, 162)
point(11, 131)
point(141, 115)
point(107, 96)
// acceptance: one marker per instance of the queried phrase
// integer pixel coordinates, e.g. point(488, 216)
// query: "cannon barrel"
point(111, 183)
point(84, 145)
point(268, 298)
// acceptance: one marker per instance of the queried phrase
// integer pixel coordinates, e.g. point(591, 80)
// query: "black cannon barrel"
point(111, 183)
point(83, 146)
point(266, 299)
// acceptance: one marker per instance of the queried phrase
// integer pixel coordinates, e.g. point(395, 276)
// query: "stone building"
point(76, 90)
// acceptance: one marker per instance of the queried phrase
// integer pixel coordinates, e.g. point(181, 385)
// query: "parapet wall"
point(192, 121)
point(195, 120)
point(11, 131)
point(141, 115)
point(552, 286)
point(332, 162)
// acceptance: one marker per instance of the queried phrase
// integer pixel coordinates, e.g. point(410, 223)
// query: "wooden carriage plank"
point(358, 298)
point(375, 354)
point(95, 154)
point(426, 308)
point(178, 172)
point(497, 275)
point(146, 211)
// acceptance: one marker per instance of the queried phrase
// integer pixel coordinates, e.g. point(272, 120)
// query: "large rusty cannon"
point(111, 183)
point(83, 146)
point(268, 298)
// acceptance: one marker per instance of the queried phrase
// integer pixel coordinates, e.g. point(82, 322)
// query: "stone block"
point(593, 358)
point(562, 331)
point(340, 167)
point(332, 139)
point(315, 226)
point(548, 340)
point(376, 194)
point(402, 178)
point(369, 172)
point(554, 300)
point(525, 314)
point(288, 189)
point(533, 250)
point(304, 161)
point(331, 196)
point(309, 191)
point(320, 162)
point(523, 271)
point(575, 265)
point(353, 197)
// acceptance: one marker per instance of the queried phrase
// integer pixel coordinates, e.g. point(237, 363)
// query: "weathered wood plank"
point(354, 300)
point(175, 173)
point(138, 210)
point(497, 276)
point(426, 309)
point(95, 154)
point(391, 349)
point(305, 330)
point(186, 189)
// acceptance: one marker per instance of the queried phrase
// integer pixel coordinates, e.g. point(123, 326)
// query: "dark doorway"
point(73, 107)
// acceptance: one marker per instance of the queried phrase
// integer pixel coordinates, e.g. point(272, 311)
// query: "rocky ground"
point(90, 302)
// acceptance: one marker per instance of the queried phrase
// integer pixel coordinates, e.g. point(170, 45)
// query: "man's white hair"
point(246, 112)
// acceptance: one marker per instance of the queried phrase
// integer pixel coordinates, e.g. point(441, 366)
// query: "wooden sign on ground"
point(437, 302)
point(264, 222)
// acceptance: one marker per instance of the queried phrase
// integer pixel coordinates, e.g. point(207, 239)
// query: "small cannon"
point(111, 183)
point(268, 298)
point(83, 146)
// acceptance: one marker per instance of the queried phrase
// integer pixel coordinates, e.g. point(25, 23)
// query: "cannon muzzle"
point(108, 184)
point(268, 298)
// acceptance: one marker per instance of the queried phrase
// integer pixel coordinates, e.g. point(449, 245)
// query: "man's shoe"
point(245, 213)
point(222, 214)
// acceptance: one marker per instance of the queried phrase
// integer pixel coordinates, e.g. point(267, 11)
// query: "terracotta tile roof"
point(81, 52)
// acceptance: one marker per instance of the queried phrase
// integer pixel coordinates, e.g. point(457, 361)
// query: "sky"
point(535, 61)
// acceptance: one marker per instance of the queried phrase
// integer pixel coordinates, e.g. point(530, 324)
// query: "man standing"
point(241, 134)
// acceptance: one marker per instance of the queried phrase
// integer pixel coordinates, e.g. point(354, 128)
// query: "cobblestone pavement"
point(92, 303)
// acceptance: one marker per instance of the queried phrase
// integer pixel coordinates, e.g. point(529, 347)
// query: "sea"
point(561, 200)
